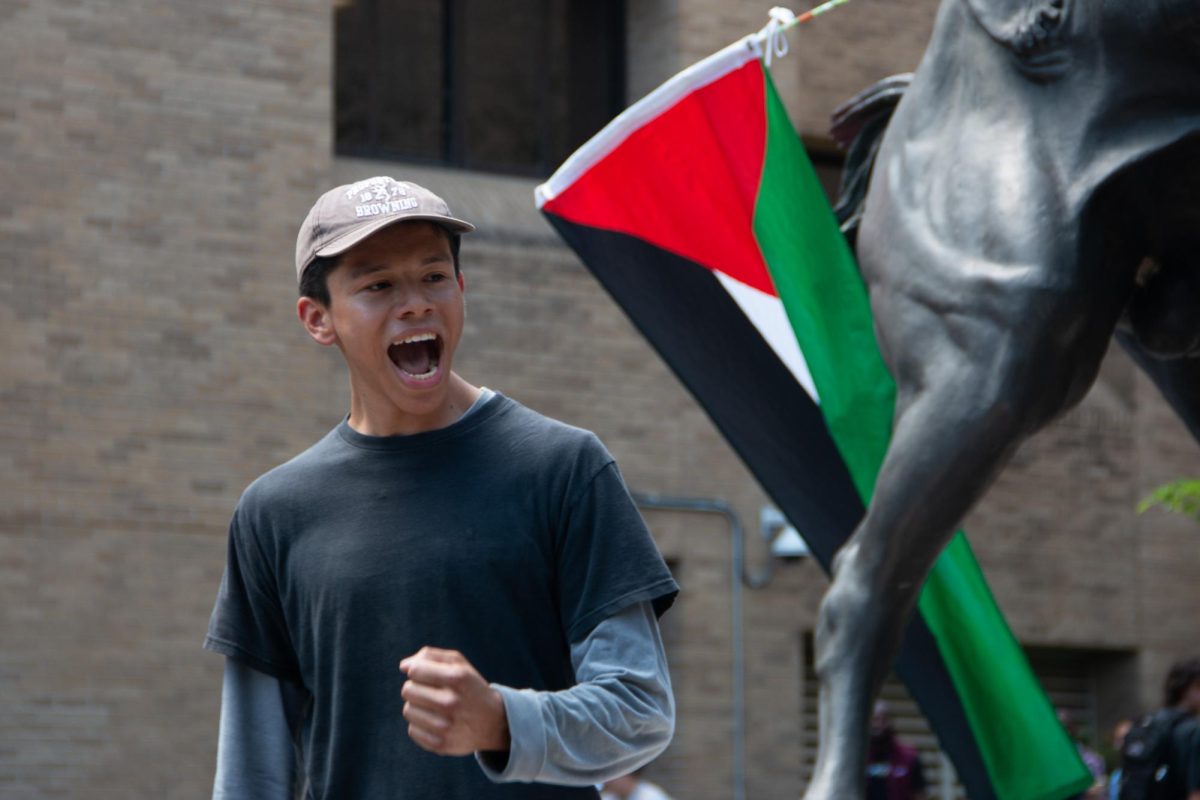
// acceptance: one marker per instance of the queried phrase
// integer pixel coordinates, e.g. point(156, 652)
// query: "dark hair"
point(1182, 675)
point(314, 282)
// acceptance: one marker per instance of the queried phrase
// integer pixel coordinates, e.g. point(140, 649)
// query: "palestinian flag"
point(698, 210)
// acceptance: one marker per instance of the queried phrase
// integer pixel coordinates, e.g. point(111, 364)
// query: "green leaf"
point(1181, 497)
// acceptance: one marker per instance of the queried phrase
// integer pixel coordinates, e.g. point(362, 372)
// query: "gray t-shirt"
point(506, 536)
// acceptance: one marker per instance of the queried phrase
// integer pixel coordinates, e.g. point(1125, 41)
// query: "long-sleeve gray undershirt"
point(618, 716)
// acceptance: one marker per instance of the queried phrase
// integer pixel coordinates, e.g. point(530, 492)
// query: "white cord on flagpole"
point(772, 35)
point(771, 38)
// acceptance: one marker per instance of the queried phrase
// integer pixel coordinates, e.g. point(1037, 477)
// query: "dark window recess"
point(503, 87)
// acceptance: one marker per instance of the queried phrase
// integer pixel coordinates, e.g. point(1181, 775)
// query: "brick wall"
point(157, 158)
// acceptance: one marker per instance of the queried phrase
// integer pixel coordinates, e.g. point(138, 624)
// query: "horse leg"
point(921, 495)
point(969, 390)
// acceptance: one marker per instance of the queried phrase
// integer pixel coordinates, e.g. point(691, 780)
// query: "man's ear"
point(316, 320)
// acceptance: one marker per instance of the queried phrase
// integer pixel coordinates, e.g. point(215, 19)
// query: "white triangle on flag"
point(767, 314)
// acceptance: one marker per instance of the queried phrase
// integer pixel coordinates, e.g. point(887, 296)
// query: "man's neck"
point(374, 419)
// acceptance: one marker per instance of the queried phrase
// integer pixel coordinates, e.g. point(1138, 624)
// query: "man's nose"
point(412, 301)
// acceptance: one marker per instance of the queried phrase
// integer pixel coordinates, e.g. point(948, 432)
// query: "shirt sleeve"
point(256, 759)
point(618, 716)
point(247, 621)
point(606, 558)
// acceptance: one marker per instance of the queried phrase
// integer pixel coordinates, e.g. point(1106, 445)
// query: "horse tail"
point(858, 126)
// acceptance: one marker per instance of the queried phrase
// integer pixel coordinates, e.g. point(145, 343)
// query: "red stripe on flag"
point(687, 180)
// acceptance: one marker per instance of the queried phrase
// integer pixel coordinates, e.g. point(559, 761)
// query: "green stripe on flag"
point(827, 307)
point(1005, 704)
point(819, 283)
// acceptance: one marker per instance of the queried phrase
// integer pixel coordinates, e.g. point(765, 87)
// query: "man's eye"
point(379, 286)
point(436, 277)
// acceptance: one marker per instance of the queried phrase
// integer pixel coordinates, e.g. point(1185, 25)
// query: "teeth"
point(424, 375)
point(419, 337)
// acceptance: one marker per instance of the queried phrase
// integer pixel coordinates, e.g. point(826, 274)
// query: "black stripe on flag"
point(774, 426)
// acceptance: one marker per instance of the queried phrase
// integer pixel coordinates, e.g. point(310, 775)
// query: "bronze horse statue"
point(1035, 191)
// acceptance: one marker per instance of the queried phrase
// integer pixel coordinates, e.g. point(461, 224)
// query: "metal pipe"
point(739, 577)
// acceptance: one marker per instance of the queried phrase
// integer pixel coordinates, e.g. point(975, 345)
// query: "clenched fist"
point(451, 710)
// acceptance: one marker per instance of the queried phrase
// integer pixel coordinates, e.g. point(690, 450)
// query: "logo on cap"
point(378, 196)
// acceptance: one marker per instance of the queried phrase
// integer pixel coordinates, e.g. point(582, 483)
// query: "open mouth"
point(417, 356)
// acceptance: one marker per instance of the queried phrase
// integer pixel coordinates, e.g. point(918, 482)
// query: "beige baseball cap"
point(344, 216)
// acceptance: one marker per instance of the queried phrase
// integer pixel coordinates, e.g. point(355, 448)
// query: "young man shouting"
point(445, 574)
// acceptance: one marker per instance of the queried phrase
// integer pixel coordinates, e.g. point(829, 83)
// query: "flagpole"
point(807, 16)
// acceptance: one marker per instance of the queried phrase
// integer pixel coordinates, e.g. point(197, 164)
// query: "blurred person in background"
point(893, 768)
point(632, 787)
point(1118, 740)
point(1119, 732)
point(1091, 759)
point(1160, 756)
